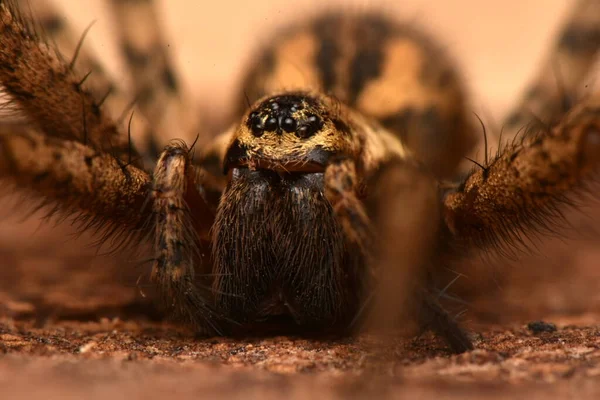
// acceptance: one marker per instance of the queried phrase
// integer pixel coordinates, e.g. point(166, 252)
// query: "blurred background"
point(497, 43)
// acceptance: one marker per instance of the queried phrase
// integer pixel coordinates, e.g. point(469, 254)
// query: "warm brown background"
point(497, 43)
point(54, 291)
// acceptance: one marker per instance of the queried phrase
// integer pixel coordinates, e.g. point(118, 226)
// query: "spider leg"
point(75, 178)
point(56, 29)
point(41, 83)
point(558, 83)
point(108, 95)
point(157, 91)
point(408, 216)
point(432, 315)
point(398, 246)
point(341, 186)
point(523, 187)
point(183, 221)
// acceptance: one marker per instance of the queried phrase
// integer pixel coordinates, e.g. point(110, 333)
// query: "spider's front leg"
point(398, 241)
point(523, 188)
point(106, 196)
point(183, 218)
point(341, 190)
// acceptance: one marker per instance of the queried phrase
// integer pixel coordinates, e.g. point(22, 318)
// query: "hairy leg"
point(341, 187)
point(115, 199)
point(557, 85)
point(398, 246)
point(43, 86)
point(56, 29)
point(158, 93)
point(76, 179)
point(183, 219)
point(524, 186)
point(110, 96)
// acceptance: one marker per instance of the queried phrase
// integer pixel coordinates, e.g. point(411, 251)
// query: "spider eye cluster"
point(281, 114)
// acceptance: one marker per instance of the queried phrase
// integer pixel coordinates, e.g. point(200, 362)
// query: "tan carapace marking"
point(293, 69)
point(400, 84)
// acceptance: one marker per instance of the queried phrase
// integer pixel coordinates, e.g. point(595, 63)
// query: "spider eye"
point(256, 125)
point(290, 113)
point(303, 132)
point(310, 126)
point(271, 124)
point(289, 124)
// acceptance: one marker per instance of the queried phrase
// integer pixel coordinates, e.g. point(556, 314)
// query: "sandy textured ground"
point(77, 325)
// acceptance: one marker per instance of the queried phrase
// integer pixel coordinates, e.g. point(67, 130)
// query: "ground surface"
point(74, 325)
point(117, 359)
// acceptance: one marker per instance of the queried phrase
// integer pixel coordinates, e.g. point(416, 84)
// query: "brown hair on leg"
point(40, 81)
point(182, 219)
point(76, 179)
point(522, 189)
point(108, 95)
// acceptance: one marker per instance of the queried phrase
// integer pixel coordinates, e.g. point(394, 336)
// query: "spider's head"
point(291, 132)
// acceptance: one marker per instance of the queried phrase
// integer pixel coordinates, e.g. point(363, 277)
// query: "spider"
point(335, 198)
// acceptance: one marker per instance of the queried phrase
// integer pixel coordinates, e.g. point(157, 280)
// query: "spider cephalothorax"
point(322, 201)
point(293, 132)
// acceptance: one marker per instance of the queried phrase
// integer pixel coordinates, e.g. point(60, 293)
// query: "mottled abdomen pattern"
point(386, 70)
